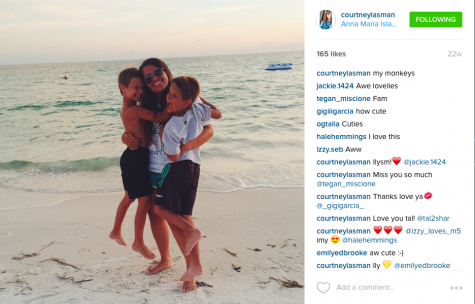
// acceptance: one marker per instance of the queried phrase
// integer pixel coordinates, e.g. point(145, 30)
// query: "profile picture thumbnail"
point(326, 20)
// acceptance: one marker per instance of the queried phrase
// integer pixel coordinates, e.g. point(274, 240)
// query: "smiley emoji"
point(335, 239)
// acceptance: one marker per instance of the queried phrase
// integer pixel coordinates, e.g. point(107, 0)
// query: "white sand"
point(80, 228)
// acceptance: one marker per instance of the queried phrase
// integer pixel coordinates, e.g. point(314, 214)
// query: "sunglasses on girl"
point(149, 77)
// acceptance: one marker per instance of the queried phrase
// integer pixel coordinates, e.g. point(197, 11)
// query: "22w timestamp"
point(455, 54)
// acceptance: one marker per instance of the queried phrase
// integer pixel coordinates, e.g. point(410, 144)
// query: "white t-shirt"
point(158, 158)
point(157, 153)
point(180, 130)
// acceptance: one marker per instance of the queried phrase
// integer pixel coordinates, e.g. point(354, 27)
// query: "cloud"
point(11, 29)
point(7, 15)
point(226, 10)
point(63, 11)
point(84, 30)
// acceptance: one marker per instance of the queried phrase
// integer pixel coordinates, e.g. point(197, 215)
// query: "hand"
point(183, 149)
point(130, 141)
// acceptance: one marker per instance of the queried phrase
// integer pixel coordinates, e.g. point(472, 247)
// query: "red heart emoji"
point(396, 160)
point(397, 229)
point(377, 229)
point(388, 229)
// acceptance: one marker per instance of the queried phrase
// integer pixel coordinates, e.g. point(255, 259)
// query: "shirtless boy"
point(134, 163)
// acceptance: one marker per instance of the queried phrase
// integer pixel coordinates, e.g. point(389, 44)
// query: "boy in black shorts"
point(179, 180)
point(134, 163)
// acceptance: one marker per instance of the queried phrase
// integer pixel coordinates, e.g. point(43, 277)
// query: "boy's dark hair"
point(126, 76)
point(189, 87)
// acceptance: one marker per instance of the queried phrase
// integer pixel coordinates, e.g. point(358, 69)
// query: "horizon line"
point(10, 64)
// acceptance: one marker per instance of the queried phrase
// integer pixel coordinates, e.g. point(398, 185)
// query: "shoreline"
point(239, 221)
point(105, 192)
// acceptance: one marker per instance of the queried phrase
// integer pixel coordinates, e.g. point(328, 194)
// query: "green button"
point(435, 19)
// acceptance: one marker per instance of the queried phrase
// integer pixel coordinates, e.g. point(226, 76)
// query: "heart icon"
point(324, 287)
point(387, 264)
point(396, 160)
point(388, 229)
point(377, 229)
point(397, 229)
point(427, 195)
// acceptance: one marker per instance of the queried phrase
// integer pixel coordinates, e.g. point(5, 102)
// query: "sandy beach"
point(239, 221)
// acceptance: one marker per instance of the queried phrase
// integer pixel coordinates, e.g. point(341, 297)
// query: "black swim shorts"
point(178, 186)
point(135, 176)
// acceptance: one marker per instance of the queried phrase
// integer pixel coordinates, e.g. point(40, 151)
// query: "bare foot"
point(143, 250)
point(193, 238)
point(192, 273)
point(189, 286)
point(161, 266)
point(118, 238)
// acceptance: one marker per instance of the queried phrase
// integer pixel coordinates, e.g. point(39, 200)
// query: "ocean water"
point(60, 139)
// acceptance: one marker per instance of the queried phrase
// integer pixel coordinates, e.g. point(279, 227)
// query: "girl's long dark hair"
point(151, 100)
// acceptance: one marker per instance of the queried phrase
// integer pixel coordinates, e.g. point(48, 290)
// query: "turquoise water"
point(60, 139)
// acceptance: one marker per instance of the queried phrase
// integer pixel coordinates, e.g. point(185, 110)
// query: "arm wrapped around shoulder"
point(204, 113)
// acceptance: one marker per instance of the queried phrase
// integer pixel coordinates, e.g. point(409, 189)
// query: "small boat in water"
point(279, 66)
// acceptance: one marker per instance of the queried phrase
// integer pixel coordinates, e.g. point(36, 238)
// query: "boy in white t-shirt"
point(178, 185)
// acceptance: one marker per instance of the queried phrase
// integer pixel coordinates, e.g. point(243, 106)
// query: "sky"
point(52, 31)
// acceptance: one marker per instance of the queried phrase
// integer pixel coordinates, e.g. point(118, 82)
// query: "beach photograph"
point(152, 152)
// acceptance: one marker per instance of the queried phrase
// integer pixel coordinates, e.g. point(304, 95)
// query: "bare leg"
point(139, 223)
point(192, 235)
point(194, 269)
point(162, 238)
point(116, 233)
point(179, 235)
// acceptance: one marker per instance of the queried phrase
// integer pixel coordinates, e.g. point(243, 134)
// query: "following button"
point(435, 19)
